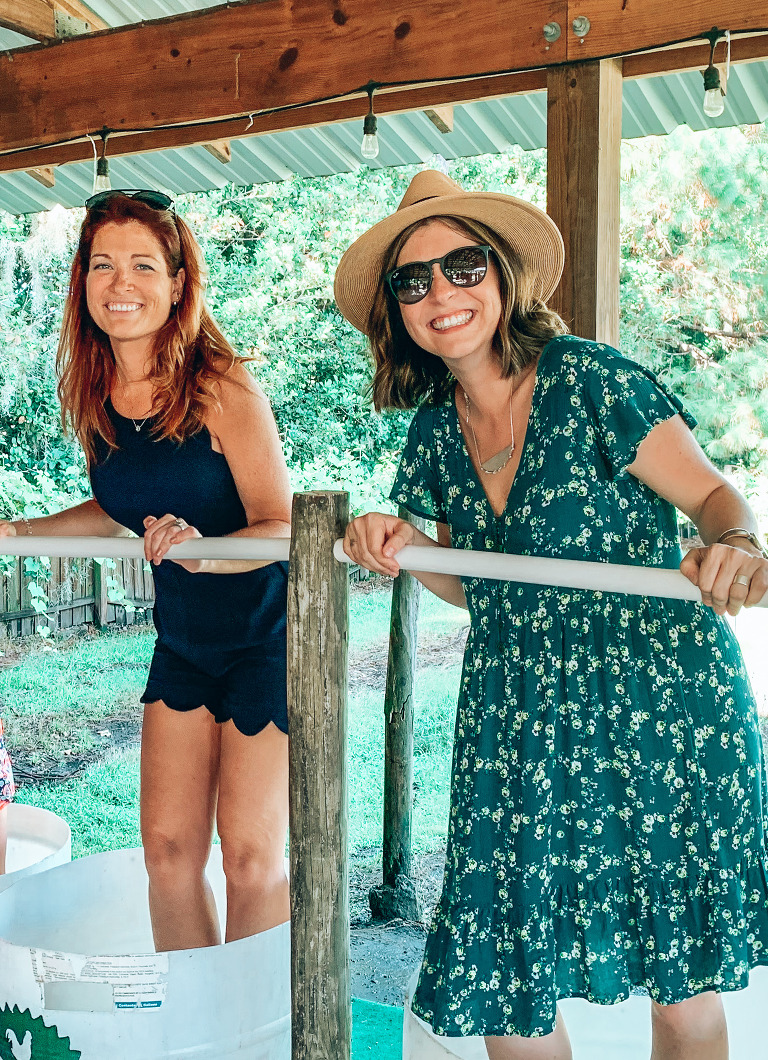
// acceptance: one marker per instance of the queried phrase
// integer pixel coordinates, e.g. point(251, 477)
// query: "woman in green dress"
point(608, 824)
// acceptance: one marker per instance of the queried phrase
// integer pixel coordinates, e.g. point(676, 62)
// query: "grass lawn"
point(59, 703)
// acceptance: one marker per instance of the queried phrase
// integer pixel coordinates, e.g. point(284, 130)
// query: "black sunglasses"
point(156, 199)
point(463, 267)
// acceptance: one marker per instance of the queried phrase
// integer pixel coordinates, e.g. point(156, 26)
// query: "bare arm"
point(373, 540)
point(244, 430)
point(672, 463)
point(84, 520)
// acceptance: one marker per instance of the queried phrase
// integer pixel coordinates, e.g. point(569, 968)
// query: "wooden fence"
point(70, 592)
point(73, 592)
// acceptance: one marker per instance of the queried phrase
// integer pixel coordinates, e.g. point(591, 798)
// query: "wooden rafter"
point(393, 102)
point(207, 69)
point(37, 18)
point(441, 117)
point(33, 18)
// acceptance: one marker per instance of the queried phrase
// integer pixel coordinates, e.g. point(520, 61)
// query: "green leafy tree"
point(693, 306)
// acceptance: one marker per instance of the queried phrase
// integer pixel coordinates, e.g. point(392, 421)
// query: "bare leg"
point(691, 1030)
point(554, 1046)
point(253, 824)
point(179, 778)
point(3, 835)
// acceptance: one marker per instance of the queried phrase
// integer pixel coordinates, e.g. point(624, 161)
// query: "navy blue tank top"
point(193, 613)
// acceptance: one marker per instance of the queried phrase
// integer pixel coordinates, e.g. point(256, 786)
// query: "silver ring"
point(179, 523)
point(741, 579)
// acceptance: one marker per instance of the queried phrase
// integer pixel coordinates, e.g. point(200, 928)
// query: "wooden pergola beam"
point(45, 175)
point(33, 18)
point(387, 102)
point(220, 149)
point(619, 27)
point(256, 55)
point(441, 117)
point(37, 18)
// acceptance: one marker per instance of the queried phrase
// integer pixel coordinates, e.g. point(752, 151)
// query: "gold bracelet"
point(27, 527)
point(740, 531)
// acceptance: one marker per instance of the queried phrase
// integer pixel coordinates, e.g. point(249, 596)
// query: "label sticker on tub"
point(71, 981)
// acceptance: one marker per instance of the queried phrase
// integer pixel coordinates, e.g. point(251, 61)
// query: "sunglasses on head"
point(156, 199)
point(463, 267)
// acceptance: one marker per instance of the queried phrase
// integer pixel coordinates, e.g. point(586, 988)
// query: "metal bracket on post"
point(318, 596)
point(68, 26)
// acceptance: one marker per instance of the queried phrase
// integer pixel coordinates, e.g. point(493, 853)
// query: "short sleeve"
point(418, 484)
point(627, 402)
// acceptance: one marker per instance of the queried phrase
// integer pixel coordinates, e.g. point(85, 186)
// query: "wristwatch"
point(740, 531)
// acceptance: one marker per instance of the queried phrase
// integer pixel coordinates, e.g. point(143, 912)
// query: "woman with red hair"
point(181, 443)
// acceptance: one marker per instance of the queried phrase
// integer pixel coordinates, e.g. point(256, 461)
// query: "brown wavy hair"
point(190, 355)
point(405, 374)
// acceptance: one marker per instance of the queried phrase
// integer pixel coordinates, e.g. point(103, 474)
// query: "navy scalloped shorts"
point(247, 686)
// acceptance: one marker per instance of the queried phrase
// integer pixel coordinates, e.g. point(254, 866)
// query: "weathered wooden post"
point(100, 595)
point(397, 896)
point(318, 593)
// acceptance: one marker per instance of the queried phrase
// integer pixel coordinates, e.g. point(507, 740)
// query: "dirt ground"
point(385, 956)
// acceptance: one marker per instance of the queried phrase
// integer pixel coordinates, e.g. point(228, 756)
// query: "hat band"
point(425, 199)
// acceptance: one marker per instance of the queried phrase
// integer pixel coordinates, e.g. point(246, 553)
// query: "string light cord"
point(361, 92)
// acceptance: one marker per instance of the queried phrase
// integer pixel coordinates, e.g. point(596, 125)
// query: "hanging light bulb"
point(369, 148)
point(714, 96)
point(101, 180)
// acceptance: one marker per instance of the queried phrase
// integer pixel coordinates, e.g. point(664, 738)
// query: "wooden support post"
point(100, 595)
point(397, 897)
point(318, 594)
point(583, 171)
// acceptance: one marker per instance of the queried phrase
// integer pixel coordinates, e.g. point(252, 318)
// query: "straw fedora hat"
point(529, 230)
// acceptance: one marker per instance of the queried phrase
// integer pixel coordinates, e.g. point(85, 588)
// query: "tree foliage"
point(693, 305)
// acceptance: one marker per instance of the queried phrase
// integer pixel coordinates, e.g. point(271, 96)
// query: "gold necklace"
point(494, 464)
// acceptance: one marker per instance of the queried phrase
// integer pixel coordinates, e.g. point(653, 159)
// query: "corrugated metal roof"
point(651, 106)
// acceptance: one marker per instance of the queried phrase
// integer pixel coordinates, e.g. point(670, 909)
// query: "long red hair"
point(190, 354)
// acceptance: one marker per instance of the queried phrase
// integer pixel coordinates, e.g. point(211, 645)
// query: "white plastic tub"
point(37, 840)
point(76, 954)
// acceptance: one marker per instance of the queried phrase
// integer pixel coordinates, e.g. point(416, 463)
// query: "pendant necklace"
point(137, 425)
point(494, 464)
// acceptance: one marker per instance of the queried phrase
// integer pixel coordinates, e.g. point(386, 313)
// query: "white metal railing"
point(543, 570)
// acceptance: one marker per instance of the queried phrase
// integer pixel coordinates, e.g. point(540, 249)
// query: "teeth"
point(123, 307)
point(451, 322)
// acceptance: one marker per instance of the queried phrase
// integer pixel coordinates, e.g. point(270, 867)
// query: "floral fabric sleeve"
point(628, 402)
point(418, 484)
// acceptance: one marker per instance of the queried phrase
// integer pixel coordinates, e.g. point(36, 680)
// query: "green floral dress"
point(608, 806)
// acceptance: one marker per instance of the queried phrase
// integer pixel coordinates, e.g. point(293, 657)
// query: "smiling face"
point(453, 323)
point(128, 289)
